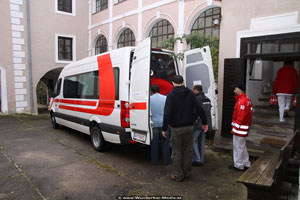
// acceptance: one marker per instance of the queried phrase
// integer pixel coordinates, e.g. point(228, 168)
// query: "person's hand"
point(164, 134)
point(205, 128)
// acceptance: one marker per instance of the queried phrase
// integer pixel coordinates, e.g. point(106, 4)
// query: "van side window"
point(116, 76)
point(70, 87)
point(57, 88)
point(84, 86)
point(88, 85)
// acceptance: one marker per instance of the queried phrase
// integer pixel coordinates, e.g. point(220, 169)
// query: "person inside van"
point(157, 104)
point(165, 86)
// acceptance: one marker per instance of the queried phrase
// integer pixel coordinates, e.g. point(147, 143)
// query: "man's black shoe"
point(233, 168)
point(197, 164)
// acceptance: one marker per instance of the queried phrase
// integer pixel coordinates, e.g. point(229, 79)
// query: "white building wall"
point(18, 42)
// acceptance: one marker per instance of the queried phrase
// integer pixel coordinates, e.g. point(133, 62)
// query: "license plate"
point(139, 137)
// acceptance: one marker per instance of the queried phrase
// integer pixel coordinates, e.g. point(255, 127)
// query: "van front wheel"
point(97, 139)
point(53, 121)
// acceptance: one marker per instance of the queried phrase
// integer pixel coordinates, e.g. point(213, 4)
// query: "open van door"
point(198, 70)
point(140, 93)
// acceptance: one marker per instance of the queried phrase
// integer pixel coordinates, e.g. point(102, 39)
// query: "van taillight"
point(125, 120)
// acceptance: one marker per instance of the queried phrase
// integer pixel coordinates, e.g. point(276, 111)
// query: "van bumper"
point(125, 136)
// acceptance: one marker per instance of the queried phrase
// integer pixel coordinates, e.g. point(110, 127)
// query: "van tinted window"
point(116, 76)
point(83, 86)
point(57, 88)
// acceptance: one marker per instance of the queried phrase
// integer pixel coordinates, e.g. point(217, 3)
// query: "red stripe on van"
point(79, 102)
point(106, 91)
point(104, 108)
point(86, 103)
point(138, 106)
point(106, 85)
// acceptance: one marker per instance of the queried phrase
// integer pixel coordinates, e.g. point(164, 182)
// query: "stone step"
point(289, 123)
point(272, 117)
point(268, 89)
point(269, 133)
point(268, 107)
point(263, 102)
point(264, 99)
point(265, 109)
point(256, 137)
point(276, 128)
point(266, 95)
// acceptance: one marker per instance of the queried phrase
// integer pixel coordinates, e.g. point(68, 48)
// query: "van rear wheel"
point(97, 139)
point(53, 121)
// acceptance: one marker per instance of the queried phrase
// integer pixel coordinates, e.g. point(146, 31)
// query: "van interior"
point(163, 65)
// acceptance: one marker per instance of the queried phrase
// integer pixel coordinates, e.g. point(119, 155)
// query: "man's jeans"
point(284, 102)
point(240, 153)
point(165, 147)
point(182, 139)
point(198, 146)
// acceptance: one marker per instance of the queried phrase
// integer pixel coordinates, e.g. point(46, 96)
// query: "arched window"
point(208, 23)
point(160, 32)
point(126, 38)
point(101, 45)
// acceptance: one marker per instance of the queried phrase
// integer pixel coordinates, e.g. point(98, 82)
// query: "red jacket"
point(286, 81)
point(164, 86)
point(242, 116)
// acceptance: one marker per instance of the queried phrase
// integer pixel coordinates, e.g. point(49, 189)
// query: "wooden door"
point(234, 72)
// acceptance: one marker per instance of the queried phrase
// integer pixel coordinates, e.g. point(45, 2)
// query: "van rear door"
point(198, 70)
point(140, 93)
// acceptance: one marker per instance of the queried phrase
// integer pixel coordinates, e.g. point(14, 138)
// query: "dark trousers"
point(181, 140)
point(165, 147)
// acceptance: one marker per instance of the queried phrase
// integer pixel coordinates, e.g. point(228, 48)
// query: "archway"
point(45, 87)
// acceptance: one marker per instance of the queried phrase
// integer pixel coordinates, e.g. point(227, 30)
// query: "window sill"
point(64, 61)
point(117, 3)
point(65, 13)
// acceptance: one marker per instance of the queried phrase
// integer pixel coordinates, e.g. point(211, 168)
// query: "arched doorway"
point(45, 88)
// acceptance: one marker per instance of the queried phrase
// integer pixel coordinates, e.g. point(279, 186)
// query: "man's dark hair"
point(241, 86)
point(178, 79)
point(288, 62)
point(155, 88)
point(198, 88)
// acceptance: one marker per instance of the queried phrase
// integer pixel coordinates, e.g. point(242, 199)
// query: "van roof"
point(120, 51)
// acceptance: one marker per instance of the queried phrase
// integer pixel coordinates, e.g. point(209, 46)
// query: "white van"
point(107, 95)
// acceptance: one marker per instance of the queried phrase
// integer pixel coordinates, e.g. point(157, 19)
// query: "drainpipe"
point(89, 28)
point(29, 57)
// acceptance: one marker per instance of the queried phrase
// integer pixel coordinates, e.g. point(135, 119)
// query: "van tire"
point(55, 125)
point(97, 139)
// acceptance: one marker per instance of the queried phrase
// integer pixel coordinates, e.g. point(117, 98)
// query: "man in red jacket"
point(241, 121)
point(165, 86)
point(285, 85)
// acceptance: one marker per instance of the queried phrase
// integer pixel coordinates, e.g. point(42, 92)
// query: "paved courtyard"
point(39, 162)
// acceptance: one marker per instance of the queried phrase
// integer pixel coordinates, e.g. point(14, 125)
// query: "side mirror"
point(216, 91)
